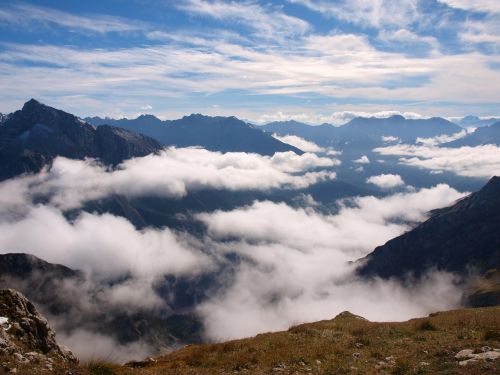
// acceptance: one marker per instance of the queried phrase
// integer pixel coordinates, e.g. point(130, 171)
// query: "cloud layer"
point(480, 161)
point(172, 173)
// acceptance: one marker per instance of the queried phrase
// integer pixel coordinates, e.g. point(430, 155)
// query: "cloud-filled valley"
point(274, 264)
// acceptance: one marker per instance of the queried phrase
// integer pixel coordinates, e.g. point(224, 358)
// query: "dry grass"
point(347, 345)
point(344, 345)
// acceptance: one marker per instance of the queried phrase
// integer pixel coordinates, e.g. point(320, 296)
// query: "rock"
point(423, 364)
point(488, 356)
point(464, 363)
point(356, 355)
point(29, 338)
point(464, 354)
point(467, 355)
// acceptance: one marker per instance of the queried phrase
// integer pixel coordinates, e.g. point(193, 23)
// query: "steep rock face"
point(33, 136)
point(462, 238)
point(26, 339)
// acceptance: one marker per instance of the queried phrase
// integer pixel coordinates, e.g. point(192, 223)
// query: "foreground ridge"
point(453, 342)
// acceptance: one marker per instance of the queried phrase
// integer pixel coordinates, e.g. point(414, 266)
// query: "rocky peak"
point(26, 339)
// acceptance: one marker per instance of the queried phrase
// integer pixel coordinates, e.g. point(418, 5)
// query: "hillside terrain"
point(463, 238)
point(453, 342)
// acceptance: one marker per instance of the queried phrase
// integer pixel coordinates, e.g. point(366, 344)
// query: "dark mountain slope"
point(33, 136)
point(482, 136)
point(463, 237)
point(225, 134)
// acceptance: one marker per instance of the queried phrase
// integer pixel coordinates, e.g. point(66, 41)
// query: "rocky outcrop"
point(26, 339)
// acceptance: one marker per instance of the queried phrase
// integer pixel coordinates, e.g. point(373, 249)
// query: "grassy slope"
point(346, 345)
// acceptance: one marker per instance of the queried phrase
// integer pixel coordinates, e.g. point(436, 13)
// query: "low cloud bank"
point(296, 264)
point(480, 161)
point(172, 173)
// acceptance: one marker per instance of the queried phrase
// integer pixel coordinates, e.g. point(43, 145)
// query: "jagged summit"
point(33, 136)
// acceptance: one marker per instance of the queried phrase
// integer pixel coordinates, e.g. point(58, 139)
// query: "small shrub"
point(426, 325)
point(101, 368)
point(492, 335)
point(402, 367)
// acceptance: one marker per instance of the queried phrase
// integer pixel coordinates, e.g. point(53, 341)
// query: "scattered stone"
point(468, 356)
point(423, 364)
point(356, 355)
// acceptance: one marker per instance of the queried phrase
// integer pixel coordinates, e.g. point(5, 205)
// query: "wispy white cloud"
point(474, 5)
point(23, 15)
point(262, 20)
point(370, 13)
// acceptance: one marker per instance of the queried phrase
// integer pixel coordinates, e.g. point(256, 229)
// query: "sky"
point(310, 60)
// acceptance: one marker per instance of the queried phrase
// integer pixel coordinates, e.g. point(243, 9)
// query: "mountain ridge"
point(224, 134)
point(33, 136)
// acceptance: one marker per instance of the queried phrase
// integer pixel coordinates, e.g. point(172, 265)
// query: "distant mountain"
point(462, 238)
point(223, 134)
point(33, 136)
point(474, 121)
point(366, 133)
point(482, 136)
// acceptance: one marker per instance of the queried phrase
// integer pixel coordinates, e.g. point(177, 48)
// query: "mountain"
point(366, 133)
point(475, 121)
point(482, 136)
point(462, 238)
point(36, 134)
point(224, 134)
point(3, 118)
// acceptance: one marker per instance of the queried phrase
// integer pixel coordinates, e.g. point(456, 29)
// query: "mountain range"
point(212, 133)
point(366, 133)
point(33, 136)
point(474, 121)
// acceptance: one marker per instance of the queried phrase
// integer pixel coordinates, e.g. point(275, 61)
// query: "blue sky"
point(310, 60)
